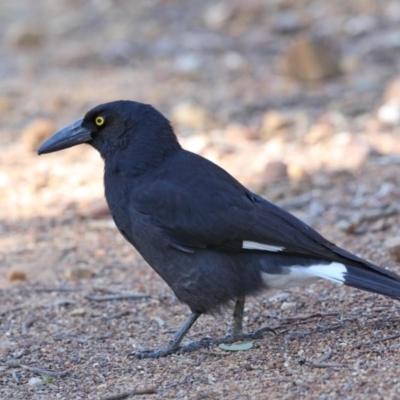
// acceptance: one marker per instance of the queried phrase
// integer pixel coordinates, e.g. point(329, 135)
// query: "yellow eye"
point(99, 121)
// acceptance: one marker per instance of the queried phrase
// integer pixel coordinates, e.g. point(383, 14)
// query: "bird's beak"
point(69, 136)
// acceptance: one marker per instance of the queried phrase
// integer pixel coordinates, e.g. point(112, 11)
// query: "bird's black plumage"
point(207, 236)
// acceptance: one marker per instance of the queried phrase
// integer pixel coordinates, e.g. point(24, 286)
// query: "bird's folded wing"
point(230, 218)
point(195, 218)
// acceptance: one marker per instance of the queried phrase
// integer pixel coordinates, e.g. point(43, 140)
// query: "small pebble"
point(78, 312)
point(393, 247)
point(279, 296)
point(217, 15)
point(287, 305)
point(35, 382)
point(188, 62)
point(103, 386)
point(233, 60)
point(389, 113)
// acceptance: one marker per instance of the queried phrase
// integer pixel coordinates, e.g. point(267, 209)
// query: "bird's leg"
point(184, 329)
point(237, 326)
point(173, 346)
point(236, 335)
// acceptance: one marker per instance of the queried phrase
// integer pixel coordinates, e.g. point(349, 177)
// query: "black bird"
point(212, 240)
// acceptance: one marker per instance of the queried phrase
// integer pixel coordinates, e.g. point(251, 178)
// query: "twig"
point(326, 356)
point(294, 334)
point(372, 351)
point(81, 339)
point(12, 363)
point(59, 289)
point(27, 324)
point(22, 353)
point(276, 378)
point(15, 376)
point(125, 395)
point(118, 315)
point(316, 315)
point(105, 335)
point(372, 215)
point(122, 296)
point(320, 363)
point(329, 327)
point(359, 344)
point(159, 321)
point(304, 319)
point(215, 353)
point(185, 360)
point(103, 289)
point(63, 302)
point(45, 372)
point(17, 308)
point(68, 336)
point(313, 364)
point(39, 371)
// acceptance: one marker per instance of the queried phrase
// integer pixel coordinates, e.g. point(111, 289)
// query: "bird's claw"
point(165, 351)
point(256, 335)
point(259, 333)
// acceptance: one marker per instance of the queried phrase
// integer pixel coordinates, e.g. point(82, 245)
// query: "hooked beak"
point(69, 136)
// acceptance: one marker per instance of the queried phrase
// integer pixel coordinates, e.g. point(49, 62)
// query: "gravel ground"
point(326, 150)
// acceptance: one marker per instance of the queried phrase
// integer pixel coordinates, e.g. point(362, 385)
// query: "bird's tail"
point(361, 275)
point(375, 280)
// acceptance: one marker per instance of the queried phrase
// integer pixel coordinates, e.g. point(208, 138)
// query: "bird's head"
point(112, 127)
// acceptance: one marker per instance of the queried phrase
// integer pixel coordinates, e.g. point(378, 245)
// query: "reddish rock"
point(310, 60)
point(16, 275)
point(275, 171)
point(37, 132)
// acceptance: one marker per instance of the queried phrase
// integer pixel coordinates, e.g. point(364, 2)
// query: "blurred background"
point(286, 95)
point(298, 99)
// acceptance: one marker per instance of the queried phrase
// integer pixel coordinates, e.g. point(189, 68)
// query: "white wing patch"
point(260, 246)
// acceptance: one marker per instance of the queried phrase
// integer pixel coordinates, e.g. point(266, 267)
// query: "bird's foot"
point(205, 342)
point(242, 337)
point(167, 350)
point(164, 351)
point(171, 349)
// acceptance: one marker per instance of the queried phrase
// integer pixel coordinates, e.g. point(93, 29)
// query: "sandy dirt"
point(327, 153)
